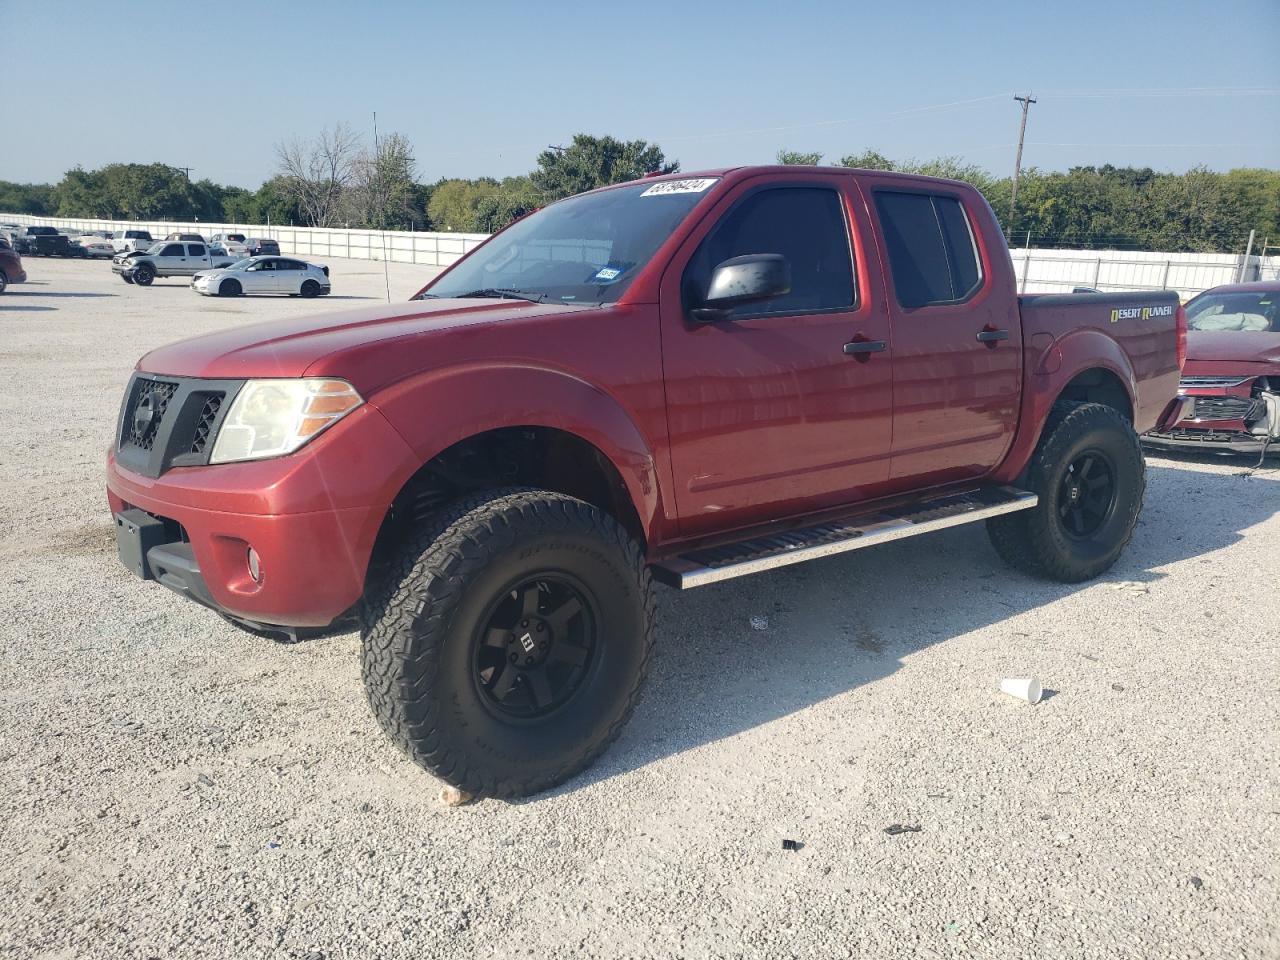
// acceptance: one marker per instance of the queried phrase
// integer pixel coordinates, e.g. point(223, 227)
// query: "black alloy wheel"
point(535, 647)
point(1087, 494)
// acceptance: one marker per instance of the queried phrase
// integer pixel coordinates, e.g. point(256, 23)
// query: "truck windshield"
point(586, 249)
point(1256, 310)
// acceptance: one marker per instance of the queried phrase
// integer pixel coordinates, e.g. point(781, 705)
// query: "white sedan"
point(95, 246)
point(264, 275)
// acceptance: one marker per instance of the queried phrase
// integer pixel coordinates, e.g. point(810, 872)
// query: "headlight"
point(270, 418)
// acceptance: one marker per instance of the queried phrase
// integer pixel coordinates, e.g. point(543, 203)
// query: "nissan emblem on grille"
point(144, 416)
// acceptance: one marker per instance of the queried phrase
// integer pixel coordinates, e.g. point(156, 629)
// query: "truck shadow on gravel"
point(839, 623)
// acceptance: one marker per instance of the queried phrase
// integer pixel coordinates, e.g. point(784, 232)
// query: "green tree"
point(454, 202)
point(31, 198)
point(868, 160)
point(515, 197)
point(383, 191)
point(795, 158)
point(590, 162)
point(83, 193)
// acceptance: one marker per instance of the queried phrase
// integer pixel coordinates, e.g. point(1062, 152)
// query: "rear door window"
point(932, 254)
point(195, 249)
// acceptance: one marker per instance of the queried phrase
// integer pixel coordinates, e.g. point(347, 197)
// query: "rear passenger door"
point(957, 341)
point(289, 276)
point(197, 258)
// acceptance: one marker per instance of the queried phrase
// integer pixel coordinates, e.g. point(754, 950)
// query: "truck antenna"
point(382, 213)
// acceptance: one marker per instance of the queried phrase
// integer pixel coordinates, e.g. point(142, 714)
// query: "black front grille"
point(1225, 408)
point(171, 422)
point(204, 423)
point(155, 395)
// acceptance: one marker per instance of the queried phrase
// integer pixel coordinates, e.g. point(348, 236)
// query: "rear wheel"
point(4, 282)
point(144, 275)
point(1091, 477)
point(310, 288)
point(507, 645)
point(230, 288)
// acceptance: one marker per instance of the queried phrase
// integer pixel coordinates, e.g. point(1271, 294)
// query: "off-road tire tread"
point(1026, 545)
point(406, 613)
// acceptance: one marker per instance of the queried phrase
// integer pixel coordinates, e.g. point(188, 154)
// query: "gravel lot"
point(176, 788)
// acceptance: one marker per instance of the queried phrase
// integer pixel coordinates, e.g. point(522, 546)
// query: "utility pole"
point(1026, 102)
point(187, 171)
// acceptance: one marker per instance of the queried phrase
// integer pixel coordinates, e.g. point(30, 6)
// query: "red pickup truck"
point(682, 379)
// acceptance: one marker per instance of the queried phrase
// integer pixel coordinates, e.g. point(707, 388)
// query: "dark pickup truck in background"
point(41, 242)
point(685, 378)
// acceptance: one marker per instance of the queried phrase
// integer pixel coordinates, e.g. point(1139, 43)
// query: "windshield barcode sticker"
point(699, 185)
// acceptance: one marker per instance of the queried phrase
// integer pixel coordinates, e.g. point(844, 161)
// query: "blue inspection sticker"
point(607, 274)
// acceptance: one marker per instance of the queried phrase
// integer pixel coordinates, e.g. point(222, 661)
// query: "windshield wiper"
point(504, 293)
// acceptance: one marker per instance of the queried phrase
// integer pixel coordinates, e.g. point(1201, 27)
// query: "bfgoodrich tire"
point(1091, 477)
point(507, 646)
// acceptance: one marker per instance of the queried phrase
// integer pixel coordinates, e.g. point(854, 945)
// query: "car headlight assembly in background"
point(270, 418)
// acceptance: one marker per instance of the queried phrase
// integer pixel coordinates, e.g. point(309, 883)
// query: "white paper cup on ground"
point(1024, 688)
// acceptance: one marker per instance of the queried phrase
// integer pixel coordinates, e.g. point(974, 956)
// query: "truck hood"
point(287, 348)
point(1249, 346)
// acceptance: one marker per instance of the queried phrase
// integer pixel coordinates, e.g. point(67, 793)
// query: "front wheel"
point(144, 275)
point(506, 647)
point(1091, 477)
point(229, 288)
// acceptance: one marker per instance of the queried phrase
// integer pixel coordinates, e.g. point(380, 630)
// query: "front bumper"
point(125, 269)
point(311, 517)
point(1221, 441)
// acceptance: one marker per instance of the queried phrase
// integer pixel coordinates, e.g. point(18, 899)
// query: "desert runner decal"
point(1141, 313)
point(698, 185)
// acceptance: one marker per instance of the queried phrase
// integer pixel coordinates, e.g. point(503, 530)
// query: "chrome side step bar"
point(713, 564)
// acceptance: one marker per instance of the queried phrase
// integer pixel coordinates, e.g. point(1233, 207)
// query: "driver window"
point(173, 250)
point(804, 224)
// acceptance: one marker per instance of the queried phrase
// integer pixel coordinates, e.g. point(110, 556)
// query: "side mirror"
point(747, 279)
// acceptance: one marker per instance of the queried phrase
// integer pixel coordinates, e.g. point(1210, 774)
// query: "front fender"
point(1049, 365)
point(439, 408)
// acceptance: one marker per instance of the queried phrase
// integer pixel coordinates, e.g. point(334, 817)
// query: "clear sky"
point(479, 88)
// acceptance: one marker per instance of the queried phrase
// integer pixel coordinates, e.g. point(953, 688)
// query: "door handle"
point(862, 347)
point(992, 336)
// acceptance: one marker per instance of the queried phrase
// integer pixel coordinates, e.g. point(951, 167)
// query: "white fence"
point(433, 249)
point(1038, 270)
point(1060, 271)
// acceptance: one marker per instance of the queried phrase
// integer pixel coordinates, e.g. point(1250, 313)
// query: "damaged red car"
point(1232, 372)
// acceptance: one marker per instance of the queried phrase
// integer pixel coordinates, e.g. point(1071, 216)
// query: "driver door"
point(769, 414)
point(261, 277)
point(172, 259)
